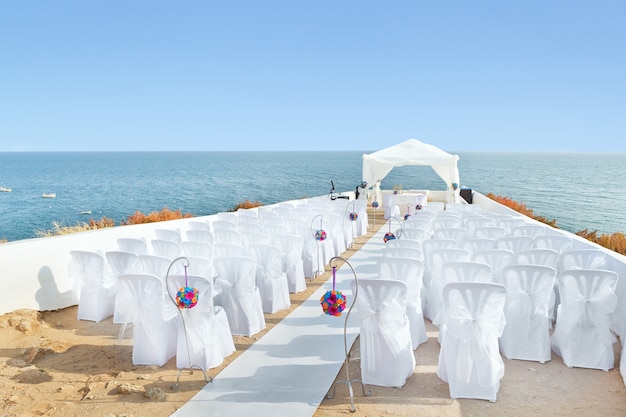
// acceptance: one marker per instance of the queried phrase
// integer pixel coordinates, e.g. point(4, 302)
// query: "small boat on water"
point(5, 190)
point(86, 212)
point(49, 195)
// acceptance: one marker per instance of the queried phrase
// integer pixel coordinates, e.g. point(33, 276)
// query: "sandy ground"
point(54, 365)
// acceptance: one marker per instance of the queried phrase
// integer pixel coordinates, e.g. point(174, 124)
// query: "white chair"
point(239, 295)
point(229, 249)
point(204, 337)
point(403, 252)
point(435, 262)
point(411, 272)
point(404, 243)
point(197, 248)
point(475, 222)
point(545, 257)
point(514, 243)
point(252, 238)
point(386, 350)
point(198, 235)
point(156, 265)
point(490, 232)
point(457, 234)
point(168, 234)
point(135, 245)
point(532, 230)
point(582, 335)
point(477, 244)
point(153, 317)
point(199, 225)
point(201, 267)
point(166, 248)
point(446, 222)
point(225, 224)
point(96, 290)
point(291, 247)
point(509, 223)
point(560, 243)
point(496, 258)
point(469, 358)
point(529, 297)
point(270, 278)
point(226, 236)
point(418, 234)
point(457, 271)
point(121, 262)
point(582, 259)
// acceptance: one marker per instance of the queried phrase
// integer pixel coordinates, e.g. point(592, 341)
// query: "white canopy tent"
point(377, 165)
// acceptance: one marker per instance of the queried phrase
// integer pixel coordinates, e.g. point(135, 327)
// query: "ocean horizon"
point(578, 190)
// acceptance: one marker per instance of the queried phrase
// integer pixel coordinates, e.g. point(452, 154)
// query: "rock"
point(127, 388)
point(155, 394)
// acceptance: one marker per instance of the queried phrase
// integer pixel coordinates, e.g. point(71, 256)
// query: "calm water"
point(580, 191)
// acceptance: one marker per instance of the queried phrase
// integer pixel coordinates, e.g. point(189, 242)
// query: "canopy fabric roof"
point(377, 165)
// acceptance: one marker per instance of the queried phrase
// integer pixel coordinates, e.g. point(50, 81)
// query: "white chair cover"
point(95, 289)
point(253, 238)
point(135, 245)
point(239, 295)
point(391, 209)
point(411, 272)
point(291, 247)
point(496, 259)
point(144, 303)
point(226, 236)
point(457, 271)
point(121, 262)
point(166, 248)
point(469, 359)
point(437, 258)
point(197, 248)
point(204, 337)
point(270, 278)
point(385, 338)
point(156, 265)
point(582, 336)
point(229, 249)
point(200, 235)
point(529, 297)
point(201, 267)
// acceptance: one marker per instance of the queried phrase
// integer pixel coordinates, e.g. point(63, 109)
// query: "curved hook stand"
point(400, 223)
point(348, 381)
point(319, 270)
point(191, 366)
point(353, 217)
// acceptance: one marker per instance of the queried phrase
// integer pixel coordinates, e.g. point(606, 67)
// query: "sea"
point(579, 190)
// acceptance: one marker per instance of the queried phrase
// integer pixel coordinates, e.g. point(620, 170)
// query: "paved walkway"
point(289, 370)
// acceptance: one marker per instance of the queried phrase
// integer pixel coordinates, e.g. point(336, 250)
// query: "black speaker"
point(466, 193)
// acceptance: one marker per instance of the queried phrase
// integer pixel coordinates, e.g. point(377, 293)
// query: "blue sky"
point(499, 75)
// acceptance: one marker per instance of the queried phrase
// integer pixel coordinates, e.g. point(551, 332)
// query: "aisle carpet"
point(289, 371)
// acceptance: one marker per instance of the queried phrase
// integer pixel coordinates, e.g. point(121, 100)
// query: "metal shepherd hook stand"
point(348, 381)
point(319, 235)
point(181, 311)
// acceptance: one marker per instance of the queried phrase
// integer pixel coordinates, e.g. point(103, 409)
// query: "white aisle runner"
point(289, 370)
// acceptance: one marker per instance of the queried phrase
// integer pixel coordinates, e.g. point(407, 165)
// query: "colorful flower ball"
point(353, 216)
point(375, 204)
point(187, 297)
point(333, 303)
point(455, 185)
point(320, 235)
point(418, 207)
point(389, 236)
point(406, 216)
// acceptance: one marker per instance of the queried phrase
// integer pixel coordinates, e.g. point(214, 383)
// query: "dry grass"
point(615, 242)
